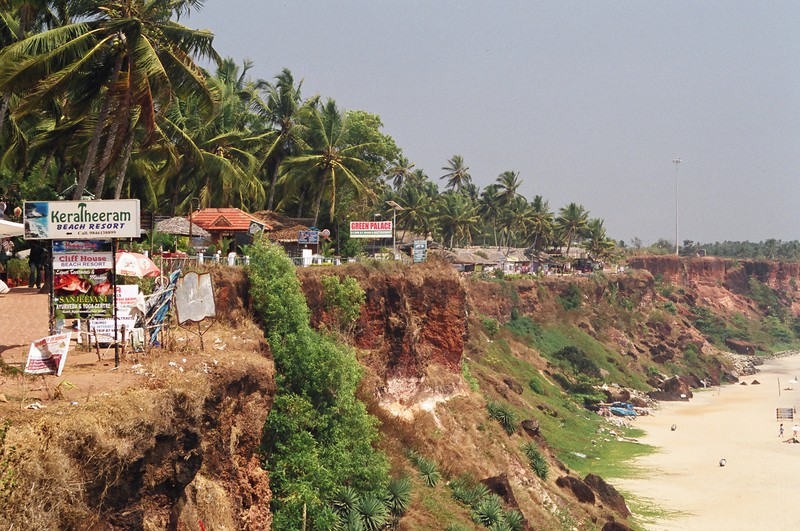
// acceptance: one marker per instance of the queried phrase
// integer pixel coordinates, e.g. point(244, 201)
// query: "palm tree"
point(457, 175)
point(282, 107)
point(121, 59)
point(540, 222)
point(399, 172)
point(329, 162)
point(597, 244)
point(571, 221)
point(417, 203)
point(489, 207)
point(456, 218)
point(508, 184)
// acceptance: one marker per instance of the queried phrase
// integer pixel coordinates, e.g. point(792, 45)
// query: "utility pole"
point(676, 161)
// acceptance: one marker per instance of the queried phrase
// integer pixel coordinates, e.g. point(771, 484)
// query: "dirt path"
point(23, 319)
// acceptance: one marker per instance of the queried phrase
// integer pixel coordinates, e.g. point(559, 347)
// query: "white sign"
point(82, 261)
point(104, 327)
point(194, 298)
point(82, 220)
point(47, 355)
point(370, 229)
point(127, 297)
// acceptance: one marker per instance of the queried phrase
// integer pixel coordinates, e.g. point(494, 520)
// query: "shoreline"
point(683, 482)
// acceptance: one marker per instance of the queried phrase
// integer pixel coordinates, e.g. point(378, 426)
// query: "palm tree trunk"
point(98, 131)
point(4, 110)
point(272, 178)
point(124, 166)
point(319, 199)
point(111, 139)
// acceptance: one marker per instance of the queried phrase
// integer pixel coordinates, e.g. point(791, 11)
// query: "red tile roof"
point(225, 220)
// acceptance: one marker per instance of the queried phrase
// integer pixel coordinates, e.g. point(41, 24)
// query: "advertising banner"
point(308, 236)
point(370, 229)
point(81, 220)
point(82, 279)
point(47, 355)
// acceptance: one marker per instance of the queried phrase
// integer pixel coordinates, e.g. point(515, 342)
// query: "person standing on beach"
point(780, 431)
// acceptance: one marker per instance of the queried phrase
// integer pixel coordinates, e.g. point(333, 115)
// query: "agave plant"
point(346, 500)
point(374, 513)
point(503, 414)
point(398, 495)
point(489, 511)
point(514, 520)
point(538, 461)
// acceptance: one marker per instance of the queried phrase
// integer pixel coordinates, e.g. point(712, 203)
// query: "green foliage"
point(490, 325)
point(670, 307)
point(427, 468)
point(537, 385)
point(17, 269)
point(318, 436)
point(767, 299)
point(343, 299)
point(526, 327)
point(467, 491)
point(578, 361)
point(778, 330)
point(572, 298)
point(470, 379)
point(504, 415)
point(538, 462)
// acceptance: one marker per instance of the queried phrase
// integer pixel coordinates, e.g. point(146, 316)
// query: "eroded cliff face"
point(723, 283)
point(412, 317)
point(179, 449)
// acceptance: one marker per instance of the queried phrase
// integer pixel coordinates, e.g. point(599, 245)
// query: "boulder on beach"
point(755, 382)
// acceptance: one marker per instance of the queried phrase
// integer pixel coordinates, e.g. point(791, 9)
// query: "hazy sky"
point(589, 101)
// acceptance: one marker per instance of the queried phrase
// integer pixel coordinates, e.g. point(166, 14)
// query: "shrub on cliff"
point(318, 436)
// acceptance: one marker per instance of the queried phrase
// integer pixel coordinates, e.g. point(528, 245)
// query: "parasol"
point(135, 265)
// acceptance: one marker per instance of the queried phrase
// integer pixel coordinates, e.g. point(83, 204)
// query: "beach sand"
point(758, 487)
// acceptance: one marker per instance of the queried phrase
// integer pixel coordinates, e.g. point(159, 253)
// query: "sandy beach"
point(757, 489)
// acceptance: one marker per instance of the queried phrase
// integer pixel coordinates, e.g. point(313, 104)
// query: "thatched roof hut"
point(180, 227)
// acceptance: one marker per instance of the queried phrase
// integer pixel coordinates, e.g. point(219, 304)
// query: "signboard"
point(370, 229)
point(104, 327)
point(194, 298)
point(255, 227)
point(47, 355)
point(81, 220)
point(420, 250)
point(82, 284)
point(308, 236)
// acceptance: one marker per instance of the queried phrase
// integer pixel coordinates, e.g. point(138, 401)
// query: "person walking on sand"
point(780, 431)
point(795, 429)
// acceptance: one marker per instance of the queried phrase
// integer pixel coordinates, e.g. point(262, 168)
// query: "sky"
point(589, 101)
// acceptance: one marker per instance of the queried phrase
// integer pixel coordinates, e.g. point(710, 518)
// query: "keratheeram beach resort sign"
point(84, 220)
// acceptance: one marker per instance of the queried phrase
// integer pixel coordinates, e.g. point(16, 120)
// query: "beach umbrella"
point(135, 265)
point(179, 226)
point(9, 229)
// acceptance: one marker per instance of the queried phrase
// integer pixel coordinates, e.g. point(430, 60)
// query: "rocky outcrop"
point(582, 492)
point(609, 495)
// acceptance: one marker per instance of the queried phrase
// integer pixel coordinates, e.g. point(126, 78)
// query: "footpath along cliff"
point(495, 381)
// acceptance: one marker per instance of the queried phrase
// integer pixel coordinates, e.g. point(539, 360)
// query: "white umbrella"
point(9, 229)
point(135, 265)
